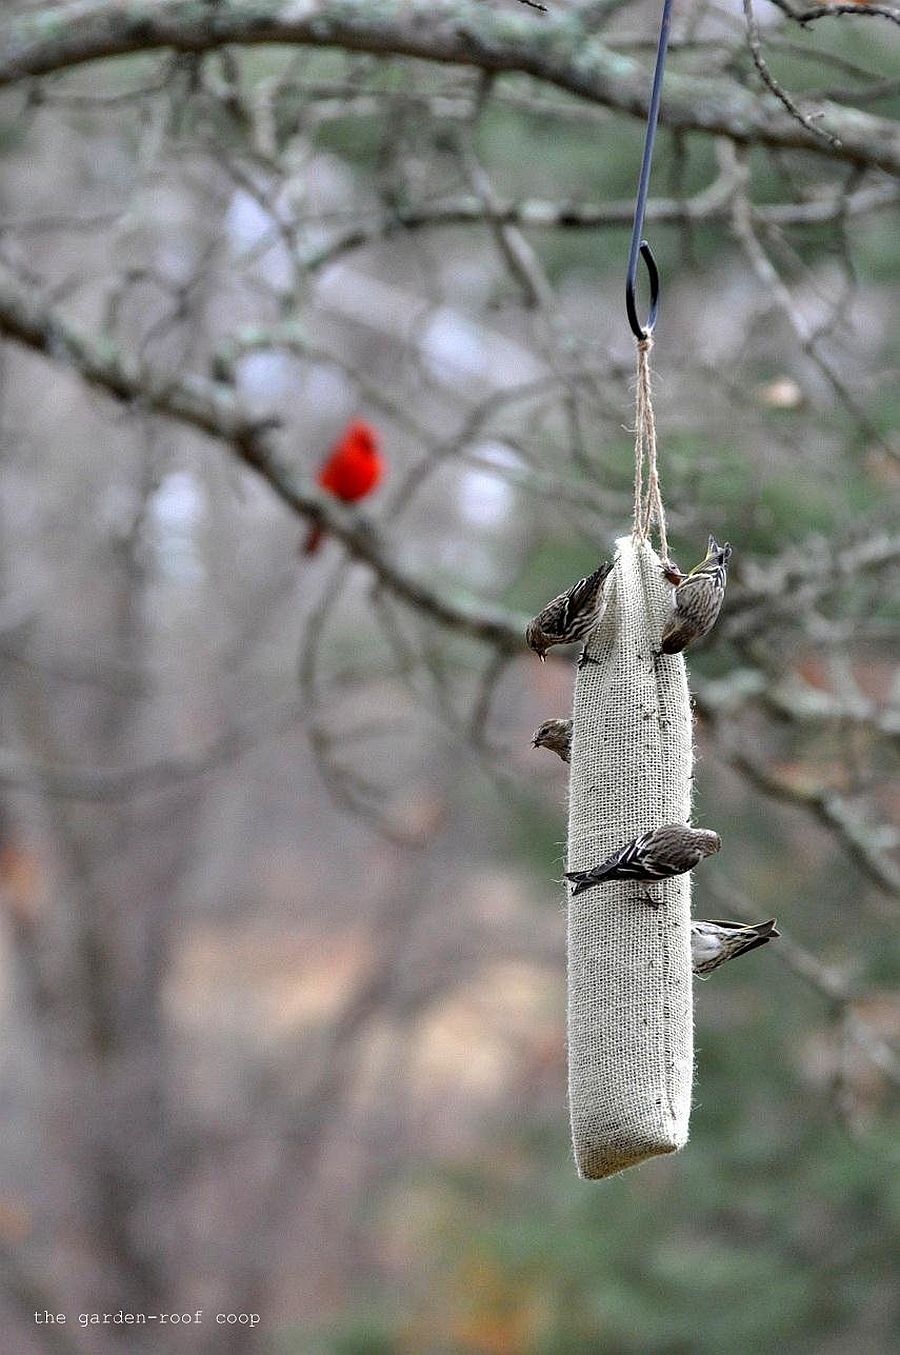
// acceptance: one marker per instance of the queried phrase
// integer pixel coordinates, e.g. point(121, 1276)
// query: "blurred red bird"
point(353, 469)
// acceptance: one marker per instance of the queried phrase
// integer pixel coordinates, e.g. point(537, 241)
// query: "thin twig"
point(213, 409)
point(831, 809)
point(152, 778)
point(468, 34)
point(826, 981)
point(810, 13)
point(742, 225)
point(768, 79)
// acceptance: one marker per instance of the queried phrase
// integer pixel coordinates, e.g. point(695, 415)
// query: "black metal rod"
point(639, 246)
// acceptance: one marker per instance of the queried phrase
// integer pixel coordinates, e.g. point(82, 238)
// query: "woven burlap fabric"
point(629, 965)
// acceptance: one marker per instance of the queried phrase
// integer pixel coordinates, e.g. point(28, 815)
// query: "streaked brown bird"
point(715, 942)
point(657, 855)
point(555, 735)
point(697, 600)
point(570, 616)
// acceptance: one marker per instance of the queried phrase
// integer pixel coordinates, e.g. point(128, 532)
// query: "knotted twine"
point(630, 1020)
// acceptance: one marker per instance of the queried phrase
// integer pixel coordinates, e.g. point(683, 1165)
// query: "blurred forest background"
point(283, 982)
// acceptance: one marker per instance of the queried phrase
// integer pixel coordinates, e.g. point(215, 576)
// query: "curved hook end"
point(640, 331)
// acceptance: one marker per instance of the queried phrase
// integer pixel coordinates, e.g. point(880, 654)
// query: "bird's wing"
point(632, 861)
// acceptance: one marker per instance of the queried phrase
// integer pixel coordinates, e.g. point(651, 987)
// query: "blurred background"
point(283, 935)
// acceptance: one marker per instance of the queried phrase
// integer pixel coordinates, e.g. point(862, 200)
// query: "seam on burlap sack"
point(629, 969)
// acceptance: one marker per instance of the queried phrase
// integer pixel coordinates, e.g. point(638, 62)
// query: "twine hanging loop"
point(648, 503)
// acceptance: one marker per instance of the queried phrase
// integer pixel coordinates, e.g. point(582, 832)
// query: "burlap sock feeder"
point(630, 1006)
point(630, 1020)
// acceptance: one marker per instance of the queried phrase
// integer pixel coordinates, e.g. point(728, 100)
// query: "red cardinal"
point(353, 469)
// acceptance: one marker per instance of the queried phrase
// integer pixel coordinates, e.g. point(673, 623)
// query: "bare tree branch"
point(212, 408)
point(712, 204)
point(807, 14)
point(791, 583)
point(768, 275)
point(108, 783)
point(861, 841)
point(458, 31)
point(774, 87)
point(795, 700)
point(826, 981)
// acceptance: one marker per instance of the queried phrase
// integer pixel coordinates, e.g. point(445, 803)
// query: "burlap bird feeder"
point(630, 1005)
point(630, 1013)
point(630, 1019)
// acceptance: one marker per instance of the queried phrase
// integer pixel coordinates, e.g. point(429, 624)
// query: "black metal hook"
point(639, 246)
point(646, 253)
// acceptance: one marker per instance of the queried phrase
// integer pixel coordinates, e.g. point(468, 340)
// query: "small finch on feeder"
point(352, 470)
point(657, 855)
point(714, 943)
point(697, 600)
point(570, 616)
point(555, 735)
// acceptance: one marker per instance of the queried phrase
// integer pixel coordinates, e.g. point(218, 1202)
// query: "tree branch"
point(807, 14)
point(790, 584)
point(212, 408)
point(795, 700)
point(826, 981)
point(459, 32)
point(711, 204)
point(112, 783)
point(833, 812)
point(755, 43)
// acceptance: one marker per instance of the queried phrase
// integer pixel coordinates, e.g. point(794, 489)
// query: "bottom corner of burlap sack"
point(603, 1148)
point(599, 1166)
point(630, 990)
point(631, 1076)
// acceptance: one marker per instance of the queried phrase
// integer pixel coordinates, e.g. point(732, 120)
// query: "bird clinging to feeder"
point(555, 735)
point(672, 849)
point(570, 616)
point(714, 943)
point(697, 600)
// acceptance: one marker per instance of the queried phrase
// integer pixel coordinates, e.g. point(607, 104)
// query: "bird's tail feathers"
point(757, 935)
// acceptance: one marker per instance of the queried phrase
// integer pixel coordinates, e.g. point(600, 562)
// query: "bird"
point(697, 599)
point(352, 470)
point(715, 942)
point(656, 855)
point(571, 615)
point(555, 735)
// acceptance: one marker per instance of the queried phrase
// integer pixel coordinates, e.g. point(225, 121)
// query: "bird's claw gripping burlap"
point(629, 966)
